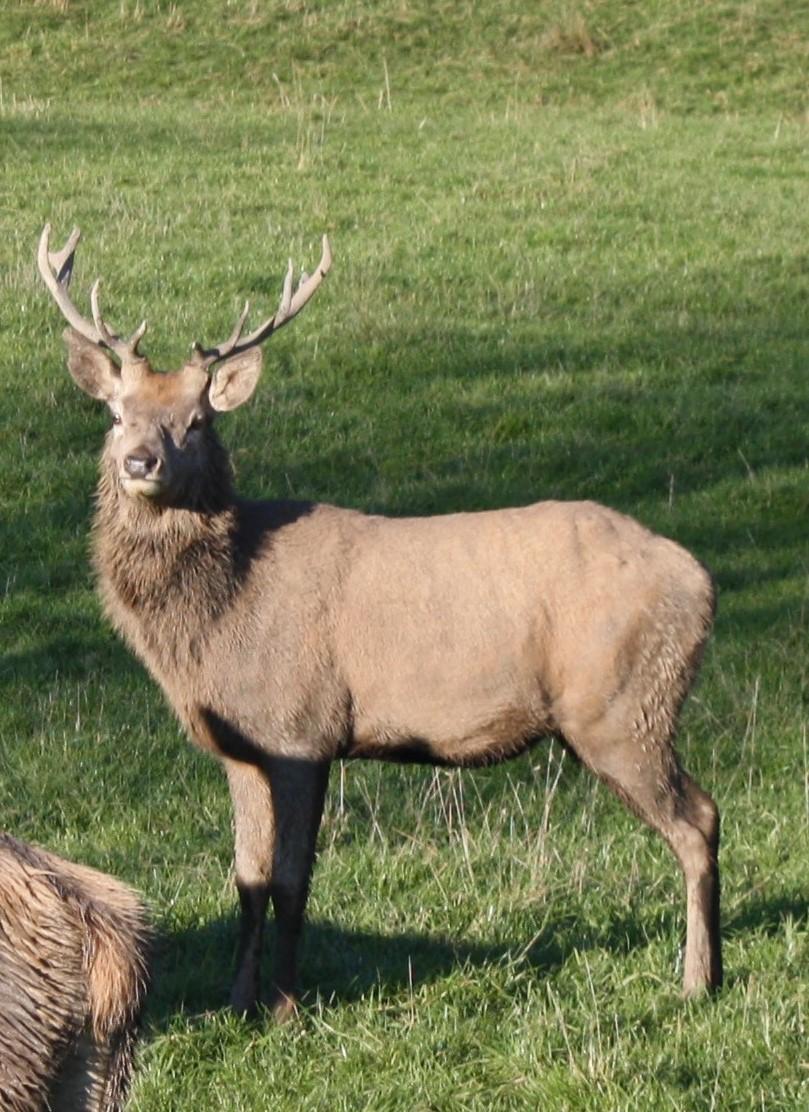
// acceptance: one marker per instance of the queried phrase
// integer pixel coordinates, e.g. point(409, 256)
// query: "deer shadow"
point(768, 916)
point(340, 965)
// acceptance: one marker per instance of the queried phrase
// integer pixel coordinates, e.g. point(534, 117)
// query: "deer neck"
point(166, 573)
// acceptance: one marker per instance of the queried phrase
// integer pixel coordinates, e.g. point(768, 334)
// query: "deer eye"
point(197, 421)
point(116, 418)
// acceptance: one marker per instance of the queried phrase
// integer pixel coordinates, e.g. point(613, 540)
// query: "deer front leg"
point(298, 790)
point(253, 823)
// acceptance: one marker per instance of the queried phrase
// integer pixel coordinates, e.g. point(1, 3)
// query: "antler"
point(291, 305)
point(56, 268)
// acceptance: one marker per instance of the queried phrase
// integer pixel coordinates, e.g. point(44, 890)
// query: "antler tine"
point(204, 357)
point(62, 261)
point(307, 287)
point(56, 269)
point(285, 304)
point(107, 337)
point(136, 337)
point(124, 349)
point(290, 305)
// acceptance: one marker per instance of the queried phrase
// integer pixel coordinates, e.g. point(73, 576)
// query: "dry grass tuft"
point(571, 36)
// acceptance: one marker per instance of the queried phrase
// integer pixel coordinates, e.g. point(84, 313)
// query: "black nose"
point(139, 465)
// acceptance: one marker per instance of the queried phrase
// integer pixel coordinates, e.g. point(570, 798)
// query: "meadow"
point(569, 261)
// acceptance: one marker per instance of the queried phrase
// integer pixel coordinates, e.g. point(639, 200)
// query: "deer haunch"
point(73, 975)
point(286, 635)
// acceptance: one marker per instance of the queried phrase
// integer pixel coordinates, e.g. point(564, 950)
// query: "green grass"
point(570, 260)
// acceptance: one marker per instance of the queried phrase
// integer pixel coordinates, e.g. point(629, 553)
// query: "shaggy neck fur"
point(168, 572)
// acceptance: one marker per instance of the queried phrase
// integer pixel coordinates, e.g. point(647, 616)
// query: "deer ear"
point(91, 368)
point(234, 381)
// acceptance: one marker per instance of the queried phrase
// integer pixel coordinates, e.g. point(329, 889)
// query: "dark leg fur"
point(277, 811)
point(253, 822)
point(298, 792)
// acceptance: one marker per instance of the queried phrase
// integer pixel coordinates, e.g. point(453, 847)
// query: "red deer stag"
point(287, 634)
point(73, 973)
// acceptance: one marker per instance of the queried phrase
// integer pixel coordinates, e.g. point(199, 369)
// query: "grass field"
point(570, 261)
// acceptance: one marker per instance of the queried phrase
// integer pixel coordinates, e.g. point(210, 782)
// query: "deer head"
point(160, 420)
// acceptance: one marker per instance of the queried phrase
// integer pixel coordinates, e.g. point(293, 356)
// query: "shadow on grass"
point(768, 916)
point(79, 654)
point(194, 967)
point(340, 966)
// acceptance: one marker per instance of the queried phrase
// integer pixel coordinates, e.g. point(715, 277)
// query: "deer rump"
point(474, 634)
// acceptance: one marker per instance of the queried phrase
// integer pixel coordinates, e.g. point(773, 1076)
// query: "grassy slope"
point(690, 55)
point(569, 262)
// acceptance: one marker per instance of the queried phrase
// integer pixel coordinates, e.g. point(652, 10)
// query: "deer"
point(289, 634)
point(74, 971)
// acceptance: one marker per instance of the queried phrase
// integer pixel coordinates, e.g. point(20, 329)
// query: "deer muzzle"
point(143, 474)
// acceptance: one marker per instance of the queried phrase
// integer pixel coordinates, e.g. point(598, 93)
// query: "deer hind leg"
point(694, 837)
point(645, 774)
